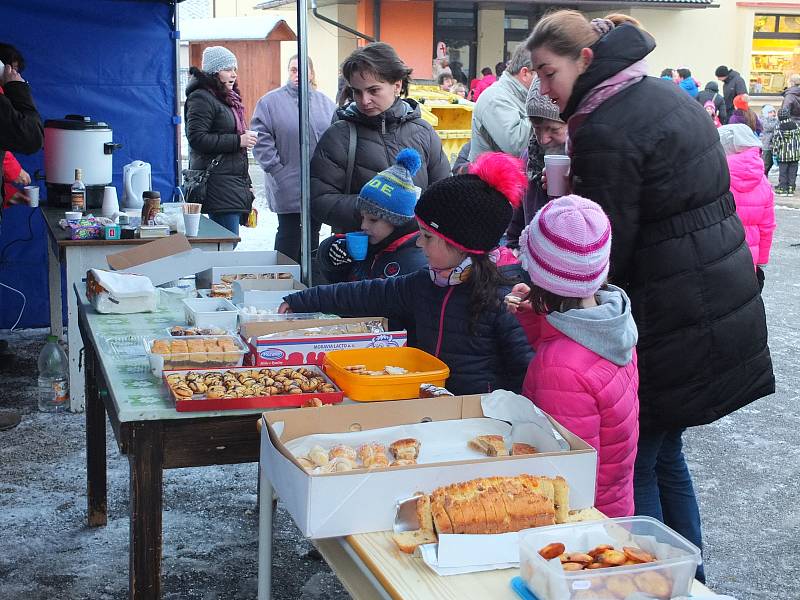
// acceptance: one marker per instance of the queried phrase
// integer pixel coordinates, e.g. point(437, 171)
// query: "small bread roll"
point(403, 462)
point(305, 463)
point(342, 451)
point(318, 456)
point(407, 448)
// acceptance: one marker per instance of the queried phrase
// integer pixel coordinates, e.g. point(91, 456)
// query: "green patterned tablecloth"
point(137, 394)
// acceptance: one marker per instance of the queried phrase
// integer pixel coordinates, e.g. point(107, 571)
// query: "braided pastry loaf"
point(489, 505)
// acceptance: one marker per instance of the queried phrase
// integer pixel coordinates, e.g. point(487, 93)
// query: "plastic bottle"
point(78, 192)
point(53, 377)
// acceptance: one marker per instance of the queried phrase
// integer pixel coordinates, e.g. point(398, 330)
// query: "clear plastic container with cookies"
point(193, 352)
point(612, 559)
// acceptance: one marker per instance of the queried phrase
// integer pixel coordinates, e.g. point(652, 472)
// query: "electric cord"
point(24, 303)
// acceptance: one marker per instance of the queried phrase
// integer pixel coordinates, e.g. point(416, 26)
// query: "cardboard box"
point(162, 260)
point(308, 350)
point(246, 263)
point(268, 291)
point(340, 504)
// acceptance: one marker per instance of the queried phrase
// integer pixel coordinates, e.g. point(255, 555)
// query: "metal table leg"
point(265, 505)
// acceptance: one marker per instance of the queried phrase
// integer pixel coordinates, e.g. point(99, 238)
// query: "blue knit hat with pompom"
point(391, 195)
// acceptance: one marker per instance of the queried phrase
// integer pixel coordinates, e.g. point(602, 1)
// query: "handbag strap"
point(351, 155)
point(212, 165)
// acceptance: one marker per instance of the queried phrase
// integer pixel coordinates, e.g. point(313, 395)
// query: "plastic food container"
point(208, 312)
point(201, 402)
point(421, 366)
point(201, 352)
point(670, 576)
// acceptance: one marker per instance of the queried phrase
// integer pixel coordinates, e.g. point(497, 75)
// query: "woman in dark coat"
point(215, 128)
point(650, 156)
point(383, 124)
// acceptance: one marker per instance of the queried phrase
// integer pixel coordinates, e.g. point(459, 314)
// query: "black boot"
point(9, 419)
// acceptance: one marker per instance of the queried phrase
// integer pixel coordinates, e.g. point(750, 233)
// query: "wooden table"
point(77, 257)
point(370, 566)
point(149, 432)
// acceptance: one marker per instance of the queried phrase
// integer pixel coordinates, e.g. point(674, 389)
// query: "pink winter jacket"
point(592, 397)
point(755, 201)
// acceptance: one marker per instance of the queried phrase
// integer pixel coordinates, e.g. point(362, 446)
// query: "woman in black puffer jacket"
point(650, 156)
point(215, 127)
point(383, 123)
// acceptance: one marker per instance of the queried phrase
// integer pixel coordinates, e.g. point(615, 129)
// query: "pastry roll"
point(407, 448)
point(318, 456)
point(342, 451)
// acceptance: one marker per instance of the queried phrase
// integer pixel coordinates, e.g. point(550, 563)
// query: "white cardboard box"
point(246, 263)
point(311, 350)
point(340, 504)
point(268, 291)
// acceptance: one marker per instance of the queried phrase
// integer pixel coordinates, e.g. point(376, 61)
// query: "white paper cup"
point(192, 223)
point(557, 166)
point(32, 194)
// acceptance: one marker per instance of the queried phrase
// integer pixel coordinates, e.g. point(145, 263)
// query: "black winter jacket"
point(651, 157)
point(20, 125)
point(791, 101)
point(496, 356)
point(711, 92)
point(211, 131)
point(400, 257)
point(380, 138)
point(732, 86)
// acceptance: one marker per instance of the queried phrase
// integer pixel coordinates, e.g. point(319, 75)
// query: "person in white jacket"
point(499, 121)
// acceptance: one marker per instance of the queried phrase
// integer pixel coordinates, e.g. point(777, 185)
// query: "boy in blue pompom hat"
point(387, 204)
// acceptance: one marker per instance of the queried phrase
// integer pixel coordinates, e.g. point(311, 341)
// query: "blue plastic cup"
point(357, 242)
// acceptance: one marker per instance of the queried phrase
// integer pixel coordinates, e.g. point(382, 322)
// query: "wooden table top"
point(209, 233)
point(407, 577)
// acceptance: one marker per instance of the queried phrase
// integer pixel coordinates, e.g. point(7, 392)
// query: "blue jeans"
point(662, 486)
point(229, 221)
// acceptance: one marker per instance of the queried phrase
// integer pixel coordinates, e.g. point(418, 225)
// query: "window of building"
point(457, 27)
point(775, 53)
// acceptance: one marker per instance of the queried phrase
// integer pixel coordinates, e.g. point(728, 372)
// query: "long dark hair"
point(213, 84)
point(381, 61)
point(544, 302)
point(484, 278)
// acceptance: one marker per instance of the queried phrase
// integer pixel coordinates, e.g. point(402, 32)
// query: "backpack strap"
point(351, 155)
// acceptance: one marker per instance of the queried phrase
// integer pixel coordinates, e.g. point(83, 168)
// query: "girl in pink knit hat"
point(584, 372)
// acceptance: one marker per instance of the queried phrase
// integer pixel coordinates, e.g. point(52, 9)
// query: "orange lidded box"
point(375, 374)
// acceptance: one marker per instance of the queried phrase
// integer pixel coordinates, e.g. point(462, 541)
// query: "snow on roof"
point(229, 28)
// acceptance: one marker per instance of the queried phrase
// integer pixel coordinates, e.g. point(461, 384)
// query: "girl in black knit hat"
point(453, 308)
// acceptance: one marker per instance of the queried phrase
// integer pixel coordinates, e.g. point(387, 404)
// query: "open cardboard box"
point(245, 263)
point(338, 504)
point(308, 350)
point(266, 291)
point(173, 257)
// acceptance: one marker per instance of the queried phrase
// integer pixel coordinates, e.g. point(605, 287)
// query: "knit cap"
point(218, 58)
point(740, 102)
point(391, 194)
point(540, 105)
point(566, 247)
point(783, 114)
point(472, 211)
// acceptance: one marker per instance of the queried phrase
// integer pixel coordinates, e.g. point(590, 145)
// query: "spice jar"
point(151, 206)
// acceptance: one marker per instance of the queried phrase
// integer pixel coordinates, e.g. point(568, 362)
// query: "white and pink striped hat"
point(566, 247)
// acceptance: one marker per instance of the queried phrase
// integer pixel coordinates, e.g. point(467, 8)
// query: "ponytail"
point(567, 32)
point(484, 278)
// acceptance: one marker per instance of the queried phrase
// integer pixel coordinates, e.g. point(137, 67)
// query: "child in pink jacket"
point(754, 197)
point(584, 372)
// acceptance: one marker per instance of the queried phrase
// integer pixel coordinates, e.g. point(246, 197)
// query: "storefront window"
point(776, 53)
point(457, 28)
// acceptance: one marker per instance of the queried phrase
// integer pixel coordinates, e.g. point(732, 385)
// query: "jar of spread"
point(151, 206)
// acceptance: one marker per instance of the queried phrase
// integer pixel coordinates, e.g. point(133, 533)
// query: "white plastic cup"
point(557, 166)
point(192, 223)
point(110, 203)
point(32, 194)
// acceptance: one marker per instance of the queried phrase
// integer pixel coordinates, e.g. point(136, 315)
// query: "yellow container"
point(422, 367)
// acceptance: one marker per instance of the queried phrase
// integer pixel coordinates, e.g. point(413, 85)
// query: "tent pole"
point(305, 159)
point(178, 164)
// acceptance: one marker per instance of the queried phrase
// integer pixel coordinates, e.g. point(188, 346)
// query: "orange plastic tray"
point(422, 367)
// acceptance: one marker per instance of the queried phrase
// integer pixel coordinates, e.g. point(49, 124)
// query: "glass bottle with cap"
point(78, 192)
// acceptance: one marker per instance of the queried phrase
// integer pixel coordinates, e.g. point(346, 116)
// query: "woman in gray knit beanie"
point(218, 138)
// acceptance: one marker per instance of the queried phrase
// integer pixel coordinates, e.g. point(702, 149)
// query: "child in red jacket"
point(584, 372)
